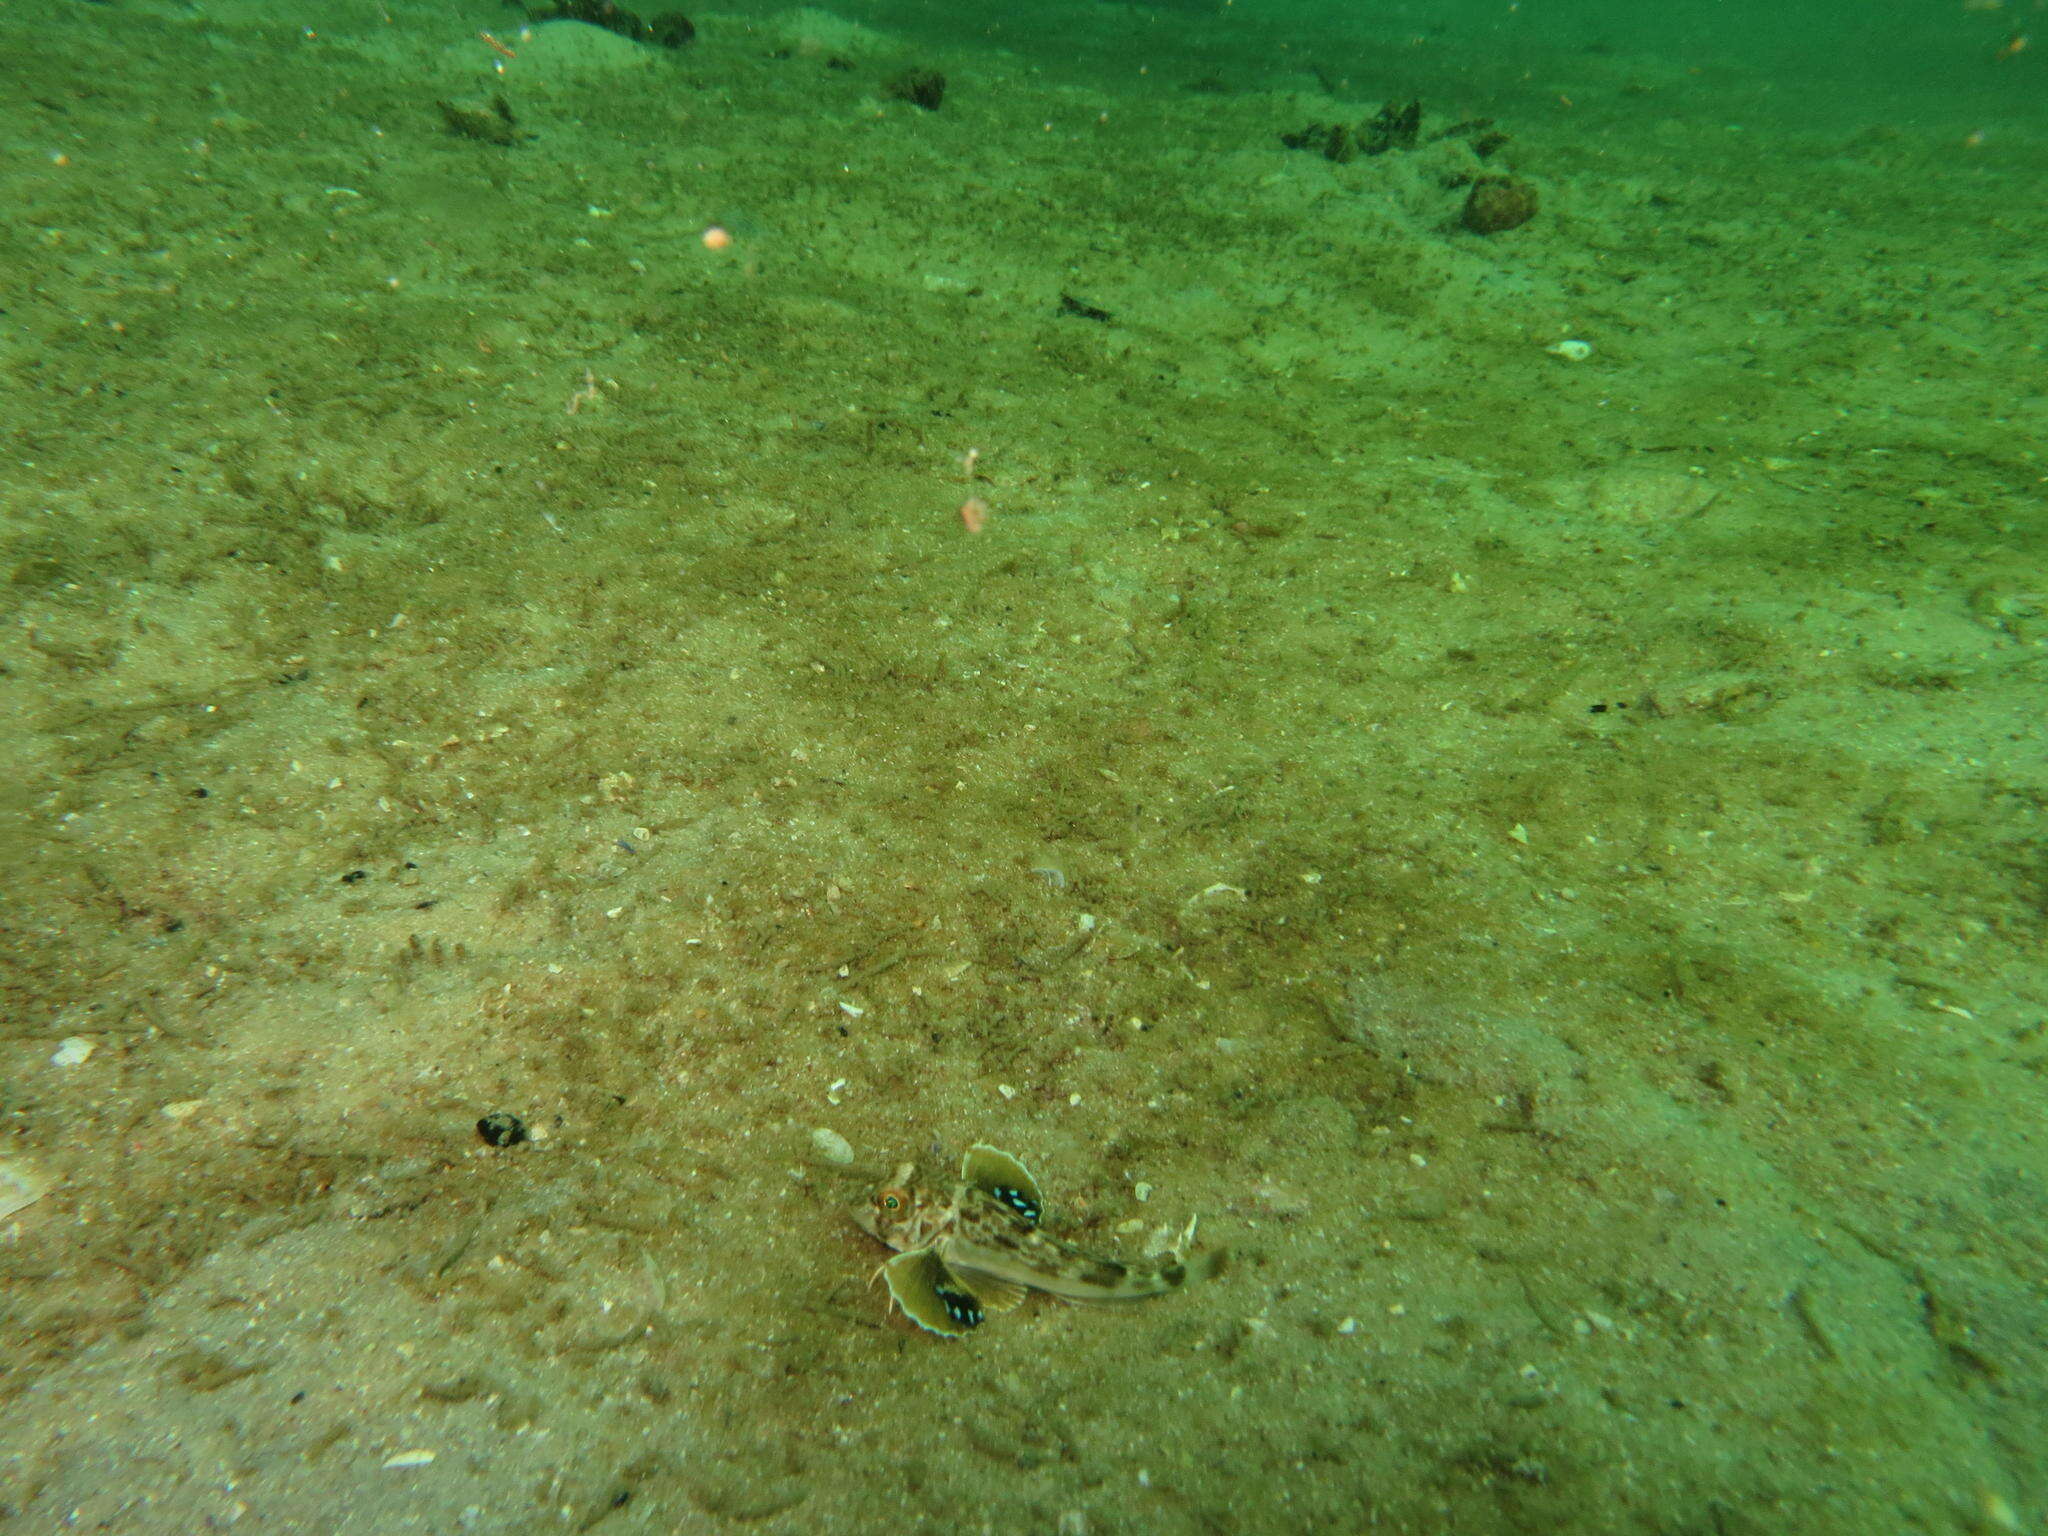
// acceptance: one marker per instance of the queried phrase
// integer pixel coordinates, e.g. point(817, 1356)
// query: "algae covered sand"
point(1542, 853)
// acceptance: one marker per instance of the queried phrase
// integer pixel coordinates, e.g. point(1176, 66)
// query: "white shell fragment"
point(832, 1146)
point(409, 1459)
point(20, 1186)
point(1570, 350)
point(72, 1052)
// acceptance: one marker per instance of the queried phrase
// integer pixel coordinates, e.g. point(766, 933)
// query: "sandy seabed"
point(1544, 855)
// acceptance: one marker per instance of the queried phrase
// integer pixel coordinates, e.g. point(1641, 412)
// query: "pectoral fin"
point(994, 1292)
point(1004, 1180)
point(930, 1295)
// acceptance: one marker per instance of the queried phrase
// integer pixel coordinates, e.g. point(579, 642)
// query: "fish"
point(981, 1249)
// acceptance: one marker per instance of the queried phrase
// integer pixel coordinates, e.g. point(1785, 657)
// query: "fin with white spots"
point(929, 1294)
point(1003, 1179)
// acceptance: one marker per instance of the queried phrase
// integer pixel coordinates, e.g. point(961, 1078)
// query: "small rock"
point(1497, 203)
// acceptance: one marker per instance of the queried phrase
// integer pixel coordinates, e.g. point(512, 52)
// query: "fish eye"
point(889, 1200)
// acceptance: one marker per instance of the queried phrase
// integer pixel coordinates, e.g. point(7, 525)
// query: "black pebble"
point(501, 1130)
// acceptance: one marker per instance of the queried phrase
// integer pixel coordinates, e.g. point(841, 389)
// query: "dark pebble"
point(502, 1130)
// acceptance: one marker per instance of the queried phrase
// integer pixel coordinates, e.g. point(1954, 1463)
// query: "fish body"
point(980, 1249)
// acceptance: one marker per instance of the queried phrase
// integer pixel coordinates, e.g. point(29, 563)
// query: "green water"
point(1500, 768)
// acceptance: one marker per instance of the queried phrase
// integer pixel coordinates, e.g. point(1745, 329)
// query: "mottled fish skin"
point(984, 1241)
point(985, 1238)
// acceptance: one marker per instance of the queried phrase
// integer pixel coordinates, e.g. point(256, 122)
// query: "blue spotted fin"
point(929, 1294)
point(1003, 1179)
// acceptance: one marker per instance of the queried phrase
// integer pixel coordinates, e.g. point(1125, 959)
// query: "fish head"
point(903, 1214)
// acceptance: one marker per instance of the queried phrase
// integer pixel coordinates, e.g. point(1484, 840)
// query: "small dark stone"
point(1496, 203)
point(354, 875)
point(500, 1129)
point(921, 87)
